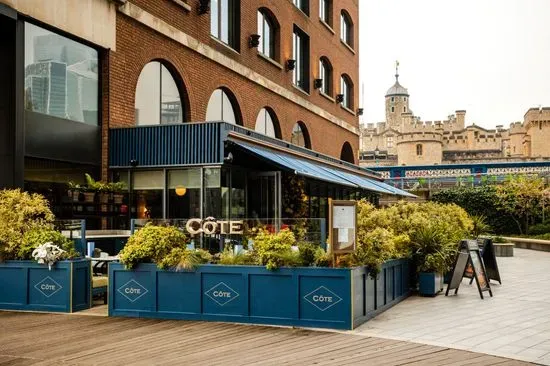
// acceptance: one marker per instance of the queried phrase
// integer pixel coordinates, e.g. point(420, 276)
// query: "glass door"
point(264, 196)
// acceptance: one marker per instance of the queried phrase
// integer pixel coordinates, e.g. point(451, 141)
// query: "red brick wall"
point(199, 77)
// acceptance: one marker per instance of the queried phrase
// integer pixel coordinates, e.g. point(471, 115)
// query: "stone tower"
point(397, 102)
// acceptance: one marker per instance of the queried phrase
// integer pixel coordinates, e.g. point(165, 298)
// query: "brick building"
point(109, 88)
point(403, 139)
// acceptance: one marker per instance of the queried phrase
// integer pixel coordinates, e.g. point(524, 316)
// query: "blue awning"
point(315, 170)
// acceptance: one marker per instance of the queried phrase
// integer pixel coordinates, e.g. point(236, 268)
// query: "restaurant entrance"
point(264, 195)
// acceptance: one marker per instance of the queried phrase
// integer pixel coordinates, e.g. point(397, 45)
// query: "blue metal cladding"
point(27, 285)
point(305, 297)
point(167, 145)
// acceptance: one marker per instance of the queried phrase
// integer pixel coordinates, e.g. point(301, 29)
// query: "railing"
point(437, 183)
point(311, 230)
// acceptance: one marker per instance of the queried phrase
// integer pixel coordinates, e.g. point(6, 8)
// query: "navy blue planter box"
point(27, 285)
point(307, 297)
point(430, 283)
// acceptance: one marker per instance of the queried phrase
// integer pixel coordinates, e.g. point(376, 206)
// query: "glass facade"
point(157, 97)
point(61, 76)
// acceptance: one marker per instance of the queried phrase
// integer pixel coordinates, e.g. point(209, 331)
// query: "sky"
point(489, 57)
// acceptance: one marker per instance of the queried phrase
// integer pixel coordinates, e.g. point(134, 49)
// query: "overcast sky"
point(489, 57)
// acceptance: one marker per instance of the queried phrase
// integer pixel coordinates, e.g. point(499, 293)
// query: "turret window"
point(404, 109)
point(393, 99)
point(392, 109)
point(419, 150)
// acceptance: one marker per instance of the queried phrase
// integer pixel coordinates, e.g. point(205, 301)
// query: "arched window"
point(158, 99)
point(300, 135)
point(346, 89)
point(325, 74)
point(266, 123)
point(419, 150)
point(346, 29)
point(221, 107)
point(268, 29)
point(347, 153)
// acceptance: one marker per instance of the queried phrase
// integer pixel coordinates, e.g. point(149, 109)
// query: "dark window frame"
point(233, 23)
point(301, 55)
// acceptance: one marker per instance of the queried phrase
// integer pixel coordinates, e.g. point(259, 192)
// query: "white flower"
point(47, 253)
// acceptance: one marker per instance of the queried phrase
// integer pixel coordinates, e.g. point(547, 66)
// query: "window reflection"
point(148, 189)
point(265, 124)
point(184, 193)
point(61, 76)
point(157, 97)
point(220, 108)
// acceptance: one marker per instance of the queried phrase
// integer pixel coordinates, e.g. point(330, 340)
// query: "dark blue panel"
point(273, 296)
point(49, 288)
point(398, 277)
point(81, 285)
point(381, 289)
point(370, 293)
point(177, 291)
point(389, 284)
point(132, 290)
point(12, 283)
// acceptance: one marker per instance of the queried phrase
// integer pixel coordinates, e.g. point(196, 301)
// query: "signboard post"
point(342, 224)
point(469, 263)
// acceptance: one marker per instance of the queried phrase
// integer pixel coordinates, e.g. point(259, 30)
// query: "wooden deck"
point(50, 339)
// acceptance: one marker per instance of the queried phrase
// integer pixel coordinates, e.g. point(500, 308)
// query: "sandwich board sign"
point(469, 264)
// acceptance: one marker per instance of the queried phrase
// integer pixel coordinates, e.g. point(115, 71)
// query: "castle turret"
point(397, 102)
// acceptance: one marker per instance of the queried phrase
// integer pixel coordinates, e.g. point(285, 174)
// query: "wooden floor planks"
point(53, 339)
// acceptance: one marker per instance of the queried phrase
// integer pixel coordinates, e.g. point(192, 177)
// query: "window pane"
point(147, 103)
point(171, 103)
point(61, 76)
point(184, 189)
point(264, 123)
point(148, 180)
point(214, 18)
point(267, 39)
point(214, 109)
point(212, 193)
point(224, 21)
point(298, 136)
point(228, 115)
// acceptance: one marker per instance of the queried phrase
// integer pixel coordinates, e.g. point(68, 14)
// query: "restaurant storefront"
point(221, 170)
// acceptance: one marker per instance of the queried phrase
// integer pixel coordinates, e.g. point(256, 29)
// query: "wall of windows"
point(61, 76)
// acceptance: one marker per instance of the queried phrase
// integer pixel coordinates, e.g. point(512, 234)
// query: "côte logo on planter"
point(48, 287)
point(132, 290)
point(322, 298)
point(222, 294)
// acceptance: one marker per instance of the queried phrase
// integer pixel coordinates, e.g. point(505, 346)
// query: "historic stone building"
point(403, 139)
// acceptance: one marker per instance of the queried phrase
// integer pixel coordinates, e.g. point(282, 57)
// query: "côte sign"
point(211, 226)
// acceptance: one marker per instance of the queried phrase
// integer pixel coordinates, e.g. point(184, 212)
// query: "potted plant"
point(433, 253)
point(74, 190)
point(91, 188)
point(117, 188)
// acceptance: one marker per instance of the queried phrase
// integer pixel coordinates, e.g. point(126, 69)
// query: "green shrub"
point(480, 225)
point(21, 212)
point(275, 250)
point(322, 258)
point(307, 251)
point(36, 237)
point(152, 244)
point(499, 239)
point(432, 250)
point(230, 258)
point(181, 258)
point(539, 229)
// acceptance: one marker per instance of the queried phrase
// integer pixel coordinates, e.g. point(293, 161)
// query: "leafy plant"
point(480, 225)
point(432, 249)
point(21, 212)
point(307, 252)
point(36, 237)
point(274, 250)
point(151, 244)
point(181, 258)
point(322, 258)
point(230, 258)
point(499, 239)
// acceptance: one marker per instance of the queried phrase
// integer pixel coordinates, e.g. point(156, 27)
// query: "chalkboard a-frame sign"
point(469, 254)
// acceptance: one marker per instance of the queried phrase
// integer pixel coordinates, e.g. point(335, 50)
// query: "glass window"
point(224, 21)
point(265, 123)
point(238, 194)
point(346, 29)
point(266, 30)
point(301, 55)
point(346, 90)
point(212, 193)
point(184, 193)
point(325, 74)
point(220, 108)
point(325, 11)
point(147, 193)
point(300, 136)
point(303, 5)
point(157, 97)
point(61, 76)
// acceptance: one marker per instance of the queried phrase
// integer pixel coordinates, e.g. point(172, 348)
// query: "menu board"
point(489, 259)
point(342, 220)
point(469, 264)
